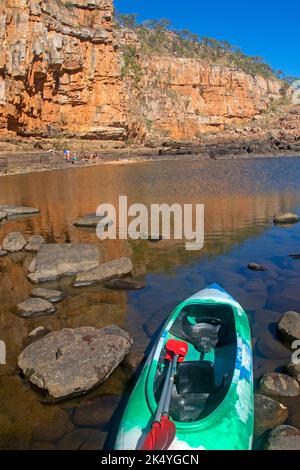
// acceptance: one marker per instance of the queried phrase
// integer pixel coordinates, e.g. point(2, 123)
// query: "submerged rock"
point(34, 307)
point(268, 414)
point(14, 242)
point(133, 360)
point(280, 385)
point(286, 218)
point(96, 411)
point(293, 370)
point(124, 284)
point(18, 210)
point(83, 439)
point(48, 294)
point(283, 438)
point(271, 348)
point(56, 260)
point(256, 267)
point(73, 361)
point(38, 332)
point(289, 327)
point(3, 215)
point(3, 253)
point(104, 272)
point(34, 243)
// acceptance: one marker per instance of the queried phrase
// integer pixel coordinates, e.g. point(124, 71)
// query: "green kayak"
point(212, 396)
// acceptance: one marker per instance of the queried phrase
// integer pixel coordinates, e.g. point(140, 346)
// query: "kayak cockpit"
point(203, 379)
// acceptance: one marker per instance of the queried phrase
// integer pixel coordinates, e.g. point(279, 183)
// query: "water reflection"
point(240, 199)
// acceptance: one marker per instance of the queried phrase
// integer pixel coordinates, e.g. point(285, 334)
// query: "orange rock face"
point(182, 98)
point(60, 73)
point(59, 70)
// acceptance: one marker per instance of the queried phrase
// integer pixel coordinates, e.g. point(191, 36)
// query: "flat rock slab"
point(48, 294)
point(104, 272)
point(283, 438)
point(63, 259)
point(14, 242)
point(289, 327)
point(286, 218)
point(73, 361)
point(268, 414)
point(280, 385)
point(18, 210)
point(3, 215)
point(34, 243)
point(92, 221)
point(34, 307)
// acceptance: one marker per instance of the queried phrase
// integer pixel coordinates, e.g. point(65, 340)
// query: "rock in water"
point(97, 411)
point(124, 284)
point(18, 210)
point(38, 332)
point(3, 253)
point(92, 221)
point(268, 414)
point(13, 242)
point(283, 438)
point(104, 272)
point(73, 361)
point(34, 243)
point(256, 267)
point(83, 439)
point(61, 259)
point(3, 215)
point(48, 294)
point(286, 218)
point(289, 327)
point(293, 370)
point(278, 385)
point(35, 307)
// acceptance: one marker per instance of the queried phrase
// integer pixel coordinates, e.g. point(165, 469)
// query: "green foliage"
point(159, 38)
point(131, 65)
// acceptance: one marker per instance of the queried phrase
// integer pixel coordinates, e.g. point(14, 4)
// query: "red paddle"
point(163, 430)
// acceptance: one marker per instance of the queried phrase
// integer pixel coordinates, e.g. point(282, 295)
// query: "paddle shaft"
point(167, 401)
point(164, 392)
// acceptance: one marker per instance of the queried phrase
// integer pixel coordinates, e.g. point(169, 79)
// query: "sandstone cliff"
point(59, 70)
point(62, 74)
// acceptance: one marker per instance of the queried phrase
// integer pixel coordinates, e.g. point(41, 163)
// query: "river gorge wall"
point(61, 75)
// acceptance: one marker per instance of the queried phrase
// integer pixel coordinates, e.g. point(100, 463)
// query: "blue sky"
point(259, 27)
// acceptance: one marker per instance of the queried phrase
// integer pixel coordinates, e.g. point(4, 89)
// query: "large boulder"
point(289, 327)
point(73, 361)
point(286, 218)
point(62, 259)
point(14, 242)
point(34, 307)
point(34, 243)
point(268, 414)
point(104, 272)
point(283, 438)
point(18, 210)
point(278, 385)
point(48, 294)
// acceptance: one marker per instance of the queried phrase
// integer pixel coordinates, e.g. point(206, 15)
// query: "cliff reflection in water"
point(240, 199)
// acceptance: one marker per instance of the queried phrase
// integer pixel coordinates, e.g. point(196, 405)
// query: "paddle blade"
point(170, 430)
point(156, 438)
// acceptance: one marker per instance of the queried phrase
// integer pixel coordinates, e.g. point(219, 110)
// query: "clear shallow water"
point(240, 198)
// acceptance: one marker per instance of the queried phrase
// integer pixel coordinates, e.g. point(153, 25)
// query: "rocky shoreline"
point(12, 163)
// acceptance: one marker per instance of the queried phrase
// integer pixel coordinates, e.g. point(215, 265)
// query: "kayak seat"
point(204, 335)
point(195, 377)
